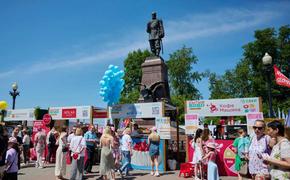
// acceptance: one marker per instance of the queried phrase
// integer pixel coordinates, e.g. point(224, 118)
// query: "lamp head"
point(14, 86)
point(267, 59)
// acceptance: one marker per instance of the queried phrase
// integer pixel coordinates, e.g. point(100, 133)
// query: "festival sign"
point(100, 113)
point(191, 123)
point(223, 107)
point(163, 127)
point(20, 115)
point(75, 112)
point(138, 110)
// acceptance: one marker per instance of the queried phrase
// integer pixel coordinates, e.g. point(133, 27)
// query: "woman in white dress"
point(198, 153)
point(60, 161)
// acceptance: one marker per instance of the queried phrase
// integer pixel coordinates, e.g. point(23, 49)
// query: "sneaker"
point(120, 172)
point(152, 173)
point(156, 174)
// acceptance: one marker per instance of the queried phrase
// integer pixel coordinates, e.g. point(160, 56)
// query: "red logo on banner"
point(281, 79)
point(69, 113)
point(100, 114)
point(46, 119)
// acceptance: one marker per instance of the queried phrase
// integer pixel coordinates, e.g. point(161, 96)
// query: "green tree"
point(248, 78)
point(182, 78)
point(133, 75)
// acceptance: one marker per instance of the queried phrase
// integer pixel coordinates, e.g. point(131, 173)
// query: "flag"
point(280, 78)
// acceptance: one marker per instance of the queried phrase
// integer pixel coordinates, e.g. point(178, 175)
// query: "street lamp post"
point(267, 61)
point(14, 93)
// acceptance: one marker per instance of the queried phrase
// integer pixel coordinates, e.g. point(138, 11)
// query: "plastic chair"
point(187, 169)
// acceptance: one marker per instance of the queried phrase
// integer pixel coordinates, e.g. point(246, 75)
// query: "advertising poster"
point(20, 115)
point(163, 127)
point(74, 112)
point(191, 123)
point(223, 107)
point(138, 110)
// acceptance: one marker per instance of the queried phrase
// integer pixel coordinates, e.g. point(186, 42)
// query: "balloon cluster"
point(3, 105)
point(112, 85)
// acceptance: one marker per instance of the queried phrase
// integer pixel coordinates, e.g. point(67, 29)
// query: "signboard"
point(163, 127)
point(139, 110)
point(100, 113)
point(20, 115)
point(46, 119)
point(75, 112)
point(251, 118)
point(223, 107)
point(191, 123)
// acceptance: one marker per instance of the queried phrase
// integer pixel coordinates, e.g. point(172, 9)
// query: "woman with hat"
point(153, 141)
point(11, 161)
point(210, 158)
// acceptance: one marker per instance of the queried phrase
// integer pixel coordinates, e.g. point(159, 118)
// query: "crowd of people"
point(76, 148)
point(263, 155)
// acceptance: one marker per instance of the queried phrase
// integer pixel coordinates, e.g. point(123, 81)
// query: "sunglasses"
point(259, 128)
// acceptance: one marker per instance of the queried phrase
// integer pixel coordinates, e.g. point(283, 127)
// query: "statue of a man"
point(156, 33)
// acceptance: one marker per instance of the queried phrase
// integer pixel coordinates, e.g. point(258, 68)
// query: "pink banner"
point(281, 79)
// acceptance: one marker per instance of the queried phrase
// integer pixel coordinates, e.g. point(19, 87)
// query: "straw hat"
point(211, 145)
point(154, 128)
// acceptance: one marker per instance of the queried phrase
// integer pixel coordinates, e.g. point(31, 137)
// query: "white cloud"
point(189, 27)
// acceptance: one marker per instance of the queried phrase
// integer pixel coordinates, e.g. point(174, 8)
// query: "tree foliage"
point(248, 78)
point(182, 78)
point(133, 75)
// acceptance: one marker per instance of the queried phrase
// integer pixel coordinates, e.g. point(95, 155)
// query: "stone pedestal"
point(155, 78)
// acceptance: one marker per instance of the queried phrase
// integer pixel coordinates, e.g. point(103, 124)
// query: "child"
point(210, 158)
point(197, 157)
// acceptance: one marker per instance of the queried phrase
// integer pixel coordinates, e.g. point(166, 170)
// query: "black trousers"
point(10, 176)
point(51, 148)
point(90, 161)
point(26, 153)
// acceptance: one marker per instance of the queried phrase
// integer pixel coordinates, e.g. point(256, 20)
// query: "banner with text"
point(191, 123)
point(223, 107)
point(163, 127)
point(281, 79)
point(138, 110)
point(74, 112)
point(20, 115)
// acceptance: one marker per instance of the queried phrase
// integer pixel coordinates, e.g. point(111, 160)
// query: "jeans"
point(127, 161)
point(77, 169)
point(90, 161)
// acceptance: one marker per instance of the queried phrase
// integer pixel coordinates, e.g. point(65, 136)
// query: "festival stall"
point(249, 107)
point(146, 112)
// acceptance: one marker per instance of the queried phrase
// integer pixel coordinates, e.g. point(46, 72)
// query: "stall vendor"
point(135, 132)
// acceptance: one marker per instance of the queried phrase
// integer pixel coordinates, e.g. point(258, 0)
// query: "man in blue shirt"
point(91, 142)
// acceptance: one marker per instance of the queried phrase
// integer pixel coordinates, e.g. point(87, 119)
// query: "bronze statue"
point(156, 33)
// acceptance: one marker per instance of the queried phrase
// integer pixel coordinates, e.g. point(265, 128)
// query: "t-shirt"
point(26, 140)
point(69, 138)
point(90, 135)
point(12, 158)
point(126, 142)
point(280, 151)
point(77, 143)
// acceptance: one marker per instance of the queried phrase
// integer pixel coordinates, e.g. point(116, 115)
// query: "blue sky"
point(58, 51)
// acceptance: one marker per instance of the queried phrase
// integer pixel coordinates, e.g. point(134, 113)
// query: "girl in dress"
point(210, 159)
point(198, 153)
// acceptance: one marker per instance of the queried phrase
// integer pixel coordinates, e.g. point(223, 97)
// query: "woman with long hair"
point(154, 141)
point(198, 153)
point(107, 160)
point(60, 158)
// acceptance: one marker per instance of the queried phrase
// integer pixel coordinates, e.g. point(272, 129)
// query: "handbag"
point(244, 168)
point(75, 155)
